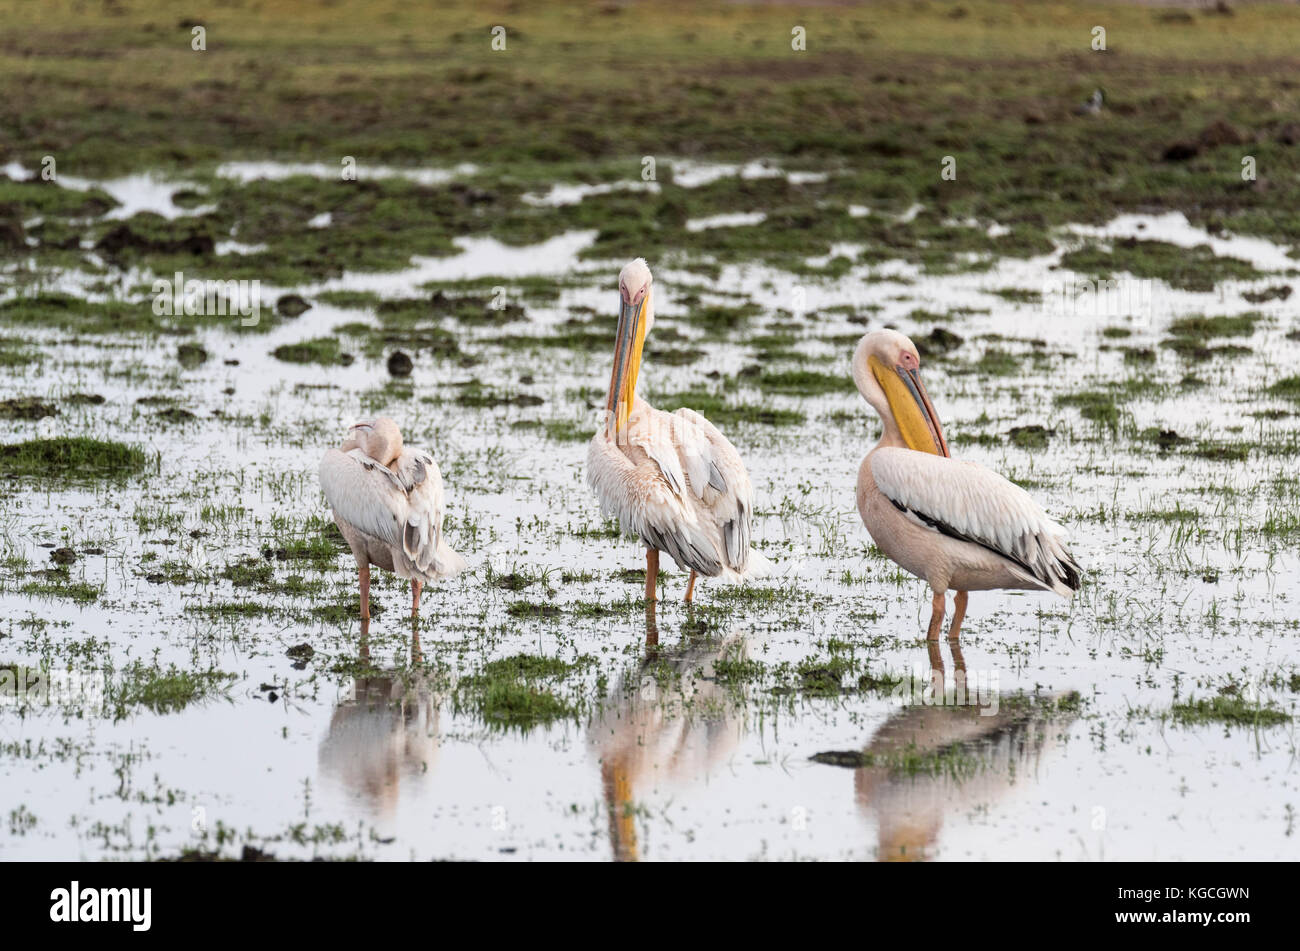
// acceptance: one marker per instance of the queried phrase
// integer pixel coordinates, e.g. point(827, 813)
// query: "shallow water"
point(365, 751)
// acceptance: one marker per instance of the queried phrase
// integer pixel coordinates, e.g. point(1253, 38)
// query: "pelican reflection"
point(667, 722)
point(931, 760)
point(384, 733)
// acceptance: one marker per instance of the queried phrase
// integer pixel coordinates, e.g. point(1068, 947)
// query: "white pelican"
point(953, 524)
point(387, 502)
point(670, 478)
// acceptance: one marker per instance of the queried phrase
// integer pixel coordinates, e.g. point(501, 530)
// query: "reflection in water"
point(388, 728)
point(929, 761)
point(668, 721)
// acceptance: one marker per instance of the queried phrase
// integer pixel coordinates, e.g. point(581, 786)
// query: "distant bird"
point(1090, 106)
point(670, 478)
point(387, 502)
point(953, 524)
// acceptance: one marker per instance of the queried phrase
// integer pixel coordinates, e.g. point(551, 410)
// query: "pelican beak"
point(913, 411)
point(628, 341)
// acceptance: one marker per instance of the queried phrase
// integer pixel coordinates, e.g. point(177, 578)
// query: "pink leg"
point(416, 587)
point(936, 616)
point(365, 591)
point(651, 575)
point(958, 615)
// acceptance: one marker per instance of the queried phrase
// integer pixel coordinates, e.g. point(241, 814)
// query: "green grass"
point(519, 692)
point(56, 583)
point(805, 383)
point(653, 86)
point(1193, 269)
point(65, 312)
point(1230, 709)
point(162, 690)
point(1098, 406)
point(723, 413)
point(1203, 327)
point(323, 351)
point(72, 459)
point(1288, 388)
point(25, 407)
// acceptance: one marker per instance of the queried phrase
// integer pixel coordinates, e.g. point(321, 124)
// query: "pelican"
point(387, 502)
point(953, 524)
point(670, 478)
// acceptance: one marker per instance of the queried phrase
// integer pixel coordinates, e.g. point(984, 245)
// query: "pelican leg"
point(651, 574)
point(416, 587)
point(958, 615)
point(365, 591)
point(690, 588)
point(936, 617)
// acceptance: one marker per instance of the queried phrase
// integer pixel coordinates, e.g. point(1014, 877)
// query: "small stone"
point(291, 305)
point(400, 364)
point(191, 355)
point(1181, 152)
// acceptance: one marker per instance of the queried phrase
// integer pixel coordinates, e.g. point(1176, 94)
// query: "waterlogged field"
point(182, 670)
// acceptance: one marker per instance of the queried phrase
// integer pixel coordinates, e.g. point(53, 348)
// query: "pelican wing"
point(968, 502)
point(719, 480)
point(682, 487)
point(401, 506)
point(633, 487)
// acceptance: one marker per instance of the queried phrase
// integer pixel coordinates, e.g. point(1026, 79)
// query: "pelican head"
point(635, 318)
point(379, 439)
point(887, 368)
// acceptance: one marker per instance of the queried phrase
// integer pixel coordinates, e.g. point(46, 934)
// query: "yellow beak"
point(628, 342)
point(913, 411)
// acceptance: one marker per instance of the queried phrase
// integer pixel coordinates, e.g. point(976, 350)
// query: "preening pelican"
point(387, 502)
point(670, 478)
point(953, 524)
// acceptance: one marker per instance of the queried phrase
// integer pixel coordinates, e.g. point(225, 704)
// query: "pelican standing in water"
point(670, 478)
point(387, 502)
point(953, 524)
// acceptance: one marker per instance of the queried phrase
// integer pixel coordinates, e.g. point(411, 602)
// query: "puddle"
point(133, 193)
point(763, 723)
point(559, 194)
point(692, 174)
point(734, 220)
point(275, 171)
point(1174, 228)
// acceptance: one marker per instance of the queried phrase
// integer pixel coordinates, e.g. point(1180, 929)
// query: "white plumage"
point(388, 503)
point(954, 524)
point(967, 501)
point(682, 487)
point(671, 478)
point(401, 507)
